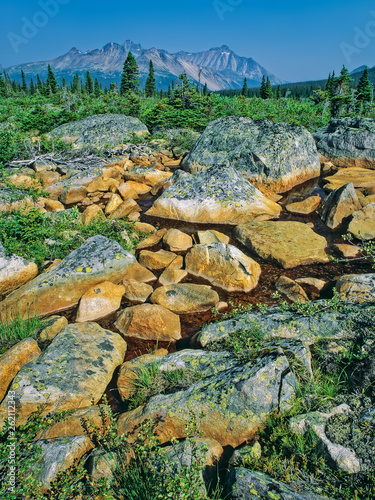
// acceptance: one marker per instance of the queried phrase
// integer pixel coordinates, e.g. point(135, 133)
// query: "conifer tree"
point(63, 83)
point(278, 92)
point(150, 86)
point(89, 84)
point(268, 92)
point(364, 88)
point(263, 88)
point(205, 89)
point(24, 84)
point(32, 87)
point(130, 76)
point(245, 89)
point(3, 86)
point(51, 83)
point(342, 95)
point(76, 84)
point(39, 83)
point(113, 87)
point(96, 87)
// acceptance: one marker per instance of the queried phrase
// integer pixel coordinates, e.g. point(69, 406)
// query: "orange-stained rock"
point(148, 176)
point(124, 209)
point(150, 322)
point(112, 172)
point(13, 360)
point(52, 205)
point(152, 240)
point(114, 202)
point(73, 194)
point(212, 236)
point(339, 205)
point(362, 225)
point(139, 273)
point(224, 266)
point(103, 185)
point(185, 298)
point(171, 276)
point(177, 241)
point(52, 326)
point(360, 177)
point(48, 178)
point(136, 292)
point(156, 260)
point(304, 207)
point(138, 187)
point(315, 282)
point(14, 271)
point(143, 227)
point(100, 301)
point(291, 289)
point(127, 191)
point(346, 250)
point(92, 212)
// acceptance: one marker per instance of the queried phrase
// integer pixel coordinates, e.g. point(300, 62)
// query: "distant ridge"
point(219, 67)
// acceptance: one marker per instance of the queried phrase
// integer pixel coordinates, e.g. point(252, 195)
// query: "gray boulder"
point(338, 205)
point(216, 195)
point(101, 131)
point(348, 142)
point(278, 155)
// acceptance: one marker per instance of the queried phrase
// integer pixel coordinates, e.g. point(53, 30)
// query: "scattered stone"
point(102, 464)
point(216, 195)
point(139, 188)
point(224, 266)
point(346, 250)
point(305, 207)
point(100, 301)
point(348, 142)
point(356, 287)
point(339, 205)
point(71, 373)
point(124, 209)
point(315, 282)
point(278, 155)
point(139, 273)
point(102, 185)
point(171, 276)
point(359, 177)
point(149, 176)
point(152, 240)
point(53, 205)
point(52, 326)
point(185, 298)
point(234, 403)
point(143, 227)
point(92, 212)
point(177, 241)
point(150, 322)
point(156, 260)
point(362, 225)
point(289, 244)
point(291, 289)
point(136, 292)
point(343, 458)
point(14, 271)
point(212, 236)
point(114, 202)
point(14, 359)
point(98, 259)
point(102, 131)
point(127, 191)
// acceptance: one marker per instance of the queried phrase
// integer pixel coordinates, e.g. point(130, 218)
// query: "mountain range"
point(219, 67)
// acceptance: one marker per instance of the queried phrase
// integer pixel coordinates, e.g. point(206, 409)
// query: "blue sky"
point(295, 40)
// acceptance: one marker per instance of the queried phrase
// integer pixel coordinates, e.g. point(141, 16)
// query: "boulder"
point(139, 187)
point(288, 244)
point(347, 250)
point(136, 292)
point(152, 240)
point(127, 191)
point(304, 207)
point(291, 289)
point(156, 260)
point(359, 177)
point(100, 301)
point(51, 327)
point(98, 259)
point(339, 205)
point(230, 406)
point(362, 226)
point(149, 176)
point(101, 131)
point(150, 322)
point(171, 276)
point(356, 287)
point(224, 266)
point(185, 298)
point(216, 195)
point(177, 241)
point(14, 271)
point(211, 236)
point(92, 212)
point(348, 142)
point(71, 373)
point(277, 155)
point(14, 359)
point(12, 199)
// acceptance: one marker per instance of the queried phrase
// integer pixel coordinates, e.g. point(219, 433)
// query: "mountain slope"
point(219, 67)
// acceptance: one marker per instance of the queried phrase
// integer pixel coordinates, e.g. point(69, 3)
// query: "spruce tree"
point(51, 83)
point(263, 88)
point(205, 89)
point(278, 92)
point(3, 86)
point(89, 84)
point(245, 89)
point(342, 95)
point(130, 76)
point(76, 84)
point(24, 84)
point(150, 86)
point(32, 87)
point(63, 83)
point(96, 87)
point(268, 91)
point(364, 88)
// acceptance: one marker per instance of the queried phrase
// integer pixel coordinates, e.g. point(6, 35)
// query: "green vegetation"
point(16, 330)
point(41, 237)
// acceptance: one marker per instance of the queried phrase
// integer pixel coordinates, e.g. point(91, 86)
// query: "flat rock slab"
point(304, 207)
point(217, 195)
point(185, 298)
point(277, 155)
point(100, 301)
point(14, 272)
point(362, 226)
point(150, 322)
point(234, 402)
point(71, 373)
point(289, 244)
point(348, 142)
point(98, 259)
point(356, 287)
point(100, 130)
point(359, 177)
point(224, 266)
point(147, 175)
